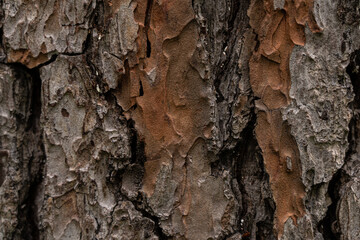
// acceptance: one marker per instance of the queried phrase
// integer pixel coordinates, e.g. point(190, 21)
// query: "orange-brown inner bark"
point(173, 109)
point(278, 30)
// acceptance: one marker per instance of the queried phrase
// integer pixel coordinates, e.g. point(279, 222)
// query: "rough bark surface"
point(201, 119)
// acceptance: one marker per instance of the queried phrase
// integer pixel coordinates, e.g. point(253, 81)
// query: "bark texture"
point(159, 119)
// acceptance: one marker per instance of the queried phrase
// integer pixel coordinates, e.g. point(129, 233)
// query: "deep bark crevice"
point(147, 26)
point(3, 155)
point(236, 24)
point(137, 161)
point(247, 167)
point(38, 162)
point(148, 48)
point(329, 226)
point(157, 227)
point(250, 168)
point(256, 215)
point(138, 157)
point(137, 145)
point(2, 51)
point(31, 227)
point(141, 90)
point(89, 123)
point(28, 217)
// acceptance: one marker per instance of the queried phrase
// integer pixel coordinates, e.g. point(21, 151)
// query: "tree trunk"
point(158, 119)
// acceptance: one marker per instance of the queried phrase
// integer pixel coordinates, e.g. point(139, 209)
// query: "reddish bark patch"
point(26, 58)
point(161, 89)
point(278, 30)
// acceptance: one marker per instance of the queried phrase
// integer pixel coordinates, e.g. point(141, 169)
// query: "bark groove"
point(181, 119)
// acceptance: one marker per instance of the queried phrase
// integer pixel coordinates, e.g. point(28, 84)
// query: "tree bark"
point(202, 119)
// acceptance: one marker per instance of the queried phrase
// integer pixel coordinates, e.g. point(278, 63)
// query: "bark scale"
point(151, 119)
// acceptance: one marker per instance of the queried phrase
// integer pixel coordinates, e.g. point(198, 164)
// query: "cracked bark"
point(142, 119)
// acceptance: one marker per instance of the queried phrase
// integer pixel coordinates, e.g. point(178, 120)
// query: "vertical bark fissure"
point(157, 227)
point(329, 226)
point(138, 156)
point(250, 168)
point(244, 159)
point(3, 154)
point(36, 180)
point(247, 168)
point(28, 217)
point(137, 145)
point(147, 26)
point(101, 131)
point(237, 22)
